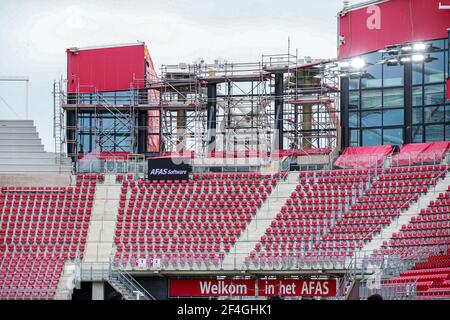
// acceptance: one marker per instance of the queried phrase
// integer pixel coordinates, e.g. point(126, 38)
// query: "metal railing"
point(130, 284)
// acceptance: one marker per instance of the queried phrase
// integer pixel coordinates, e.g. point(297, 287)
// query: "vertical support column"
point(71, 139)
point(345, 133)
point(407, 128)
point(142, 132)
point(279, 110)
point(212, 116)
point(98, 291)
point(307, 126)
point(181, 130)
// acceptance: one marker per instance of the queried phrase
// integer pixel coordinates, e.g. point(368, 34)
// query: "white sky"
point(34, 36)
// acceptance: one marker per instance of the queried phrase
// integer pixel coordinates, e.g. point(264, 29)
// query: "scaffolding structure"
point(280, 102)
point(245, 102)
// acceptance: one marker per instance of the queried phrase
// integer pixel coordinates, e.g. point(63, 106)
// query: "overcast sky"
point(34, 36)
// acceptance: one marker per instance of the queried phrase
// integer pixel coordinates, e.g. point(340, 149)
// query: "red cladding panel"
point(392, 22)
point(106, 69)
point(448, 90)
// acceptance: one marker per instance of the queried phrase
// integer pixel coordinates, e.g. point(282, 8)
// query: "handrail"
point(131, 283)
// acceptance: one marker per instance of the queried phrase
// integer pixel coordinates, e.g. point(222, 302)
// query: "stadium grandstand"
point(289, 177)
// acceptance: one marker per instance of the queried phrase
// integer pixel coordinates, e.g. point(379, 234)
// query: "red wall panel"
point(448, 90)
point(106, 69)
point(400, 21)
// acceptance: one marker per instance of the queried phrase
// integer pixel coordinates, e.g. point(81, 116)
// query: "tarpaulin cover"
point(363, 157)
point(429, 152)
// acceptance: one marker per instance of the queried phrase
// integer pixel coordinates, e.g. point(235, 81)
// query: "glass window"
point(417, 133)
point(417, 96)
point(447, 133)
point(434, 114)
point(393, 76)
point(417, 115)
point(371, 99)
point(447, 113)
point(438, 44)
point(417, 77)
point(434, 71)
point(354, 83)
point(393, 98)
point(354, 138)
point(371, 137)
point(353, 100)
point(393, 117)
point(434, 94)
point(353, 120)
point(371, 119)
point(373, 74)
point(372, 77)
point(434, 133)
point(393, 136)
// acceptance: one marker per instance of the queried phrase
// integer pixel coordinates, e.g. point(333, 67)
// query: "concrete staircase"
point(257, 227)
point(100, 237)
point(67, 282)
point(22, 151)
point(406, 216)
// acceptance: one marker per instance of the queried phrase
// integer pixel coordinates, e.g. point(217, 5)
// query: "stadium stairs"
point(21, 150)
point(257, 227)
point(103, 222)
point(406, 216)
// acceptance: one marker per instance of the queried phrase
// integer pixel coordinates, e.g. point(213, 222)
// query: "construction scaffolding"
point(245, 100)
point(280, 102)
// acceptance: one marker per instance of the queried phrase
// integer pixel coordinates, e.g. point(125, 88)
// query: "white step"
point(19, 135)
point(17, 129)
point(20, 142)
point(31, 161)
point(35, 168)
point(16, 123)
point(21, 148)
point(32, 155)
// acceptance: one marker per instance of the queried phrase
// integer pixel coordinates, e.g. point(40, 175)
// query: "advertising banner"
point(212, 288)
point(253, 288)
point(166, 169)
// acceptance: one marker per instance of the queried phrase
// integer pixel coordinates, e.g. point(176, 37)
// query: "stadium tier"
point(215, 222)
point(41, 228)
point(185, 223)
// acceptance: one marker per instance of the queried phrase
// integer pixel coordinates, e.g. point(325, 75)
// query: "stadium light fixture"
point(407, 48)
point(419, 47)
point(418, 58)
point(405, 59)
point(392, 61)
point(358, 63)
point(344, 64)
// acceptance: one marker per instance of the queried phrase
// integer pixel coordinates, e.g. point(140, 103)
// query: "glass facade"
point(126, 97)
point(109, 130)
point(112, 133)
point(386, 99)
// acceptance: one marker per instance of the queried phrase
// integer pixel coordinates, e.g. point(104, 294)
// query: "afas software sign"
point(166, 169)
point(253, 288)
